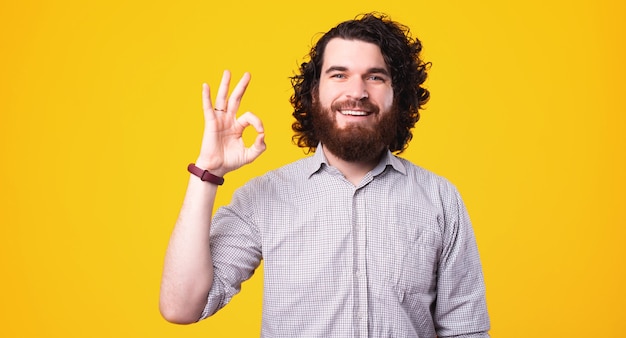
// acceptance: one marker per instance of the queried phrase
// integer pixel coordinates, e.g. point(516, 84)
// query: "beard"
point(356, 142)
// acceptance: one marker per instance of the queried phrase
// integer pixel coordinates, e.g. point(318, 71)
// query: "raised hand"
point(223, 149)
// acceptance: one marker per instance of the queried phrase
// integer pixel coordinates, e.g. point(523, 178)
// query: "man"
point(356, 242)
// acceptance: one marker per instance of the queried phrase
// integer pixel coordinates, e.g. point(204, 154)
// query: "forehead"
point(352, 54)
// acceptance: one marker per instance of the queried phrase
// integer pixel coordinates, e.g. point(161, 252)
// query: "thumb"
point(257, 148)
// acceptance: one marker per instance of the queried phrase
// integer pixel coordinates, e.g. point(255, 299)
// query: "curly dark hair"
point(401, 53)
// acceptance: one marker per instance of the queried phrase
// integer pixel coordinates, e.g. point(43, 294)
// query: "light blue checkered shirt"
point(394, 256)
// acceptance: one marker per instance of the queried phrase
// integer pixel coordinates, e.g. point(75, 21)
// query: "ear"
point(315, 92)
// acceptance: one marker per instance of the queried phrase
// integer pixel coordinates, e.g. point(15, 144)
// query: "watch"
point(205, 175)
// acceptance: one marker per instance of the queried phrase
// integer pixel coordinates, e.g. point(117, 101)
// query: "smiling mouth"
point(354, 112)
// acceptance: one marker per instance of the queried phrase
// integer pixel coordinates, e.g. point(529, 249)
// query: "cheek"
point(387, 100)
point(325, 98)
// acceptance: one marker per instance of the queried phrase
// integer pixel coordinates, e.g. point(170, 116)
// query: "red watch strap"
point(205, 175)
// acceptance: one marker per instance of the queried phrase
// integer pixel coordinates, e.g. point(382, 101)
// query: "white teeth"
point(353, 112)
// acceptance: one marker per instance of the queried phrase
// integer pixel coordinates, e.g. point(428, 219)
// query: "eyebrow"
point(378, 71)
point(335, 69)
point(374, 70)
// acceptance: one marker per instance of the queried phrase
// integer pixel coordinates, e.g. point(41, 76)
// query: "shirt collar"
point(391, 160)
point(318, 160)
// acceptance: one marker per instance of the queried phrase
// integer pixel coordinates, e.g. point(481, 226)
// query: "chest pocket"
point(419, 264)
point(405, 256)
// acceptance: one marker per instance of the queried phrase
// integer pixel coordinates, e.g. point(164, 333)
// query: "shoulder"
point(432, 188)
point(426, 178)
point(287, 174)
point(267, 190)
point(281, 179)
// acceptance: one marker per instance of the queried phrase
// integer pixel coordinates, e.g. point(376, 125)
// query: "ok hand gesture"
point(223, 149)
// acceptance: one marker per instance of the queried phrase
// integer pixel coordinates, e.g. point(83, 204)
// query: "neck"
point(353, 171)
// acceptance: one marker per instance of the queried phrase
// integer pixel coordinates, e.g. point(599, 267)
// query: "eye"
point(377, 78)
point(338, 76)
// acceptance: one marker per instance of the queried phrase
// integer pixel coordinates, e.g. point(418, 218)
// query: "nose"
point(357, 89)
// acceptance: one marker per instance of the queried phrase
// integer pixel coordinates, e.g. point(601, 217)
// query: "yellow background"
point(100, 114)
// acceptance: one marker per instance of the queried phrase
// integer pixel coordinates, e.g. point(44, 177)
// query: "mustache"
point(364, 104)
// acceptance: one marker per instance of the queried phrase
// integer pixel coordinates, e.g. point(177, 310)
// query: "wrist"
point(204, 174)
point(210, 167)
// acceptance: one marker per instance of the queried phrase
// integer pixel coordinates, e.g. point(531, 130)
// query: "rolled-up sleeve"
point(461, 309)
point(235, 250)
